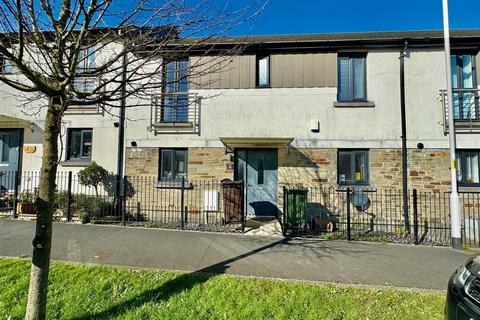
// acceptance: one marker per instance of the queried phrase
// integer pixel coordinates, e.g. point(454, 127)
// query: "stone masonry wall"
point(203, 163)
point(307, 167)
point(209, 164)
point(141, 162)
point(428, 168)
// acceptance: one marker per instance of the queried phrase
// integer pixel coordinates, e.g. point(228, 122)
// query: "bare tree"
point(98, 52)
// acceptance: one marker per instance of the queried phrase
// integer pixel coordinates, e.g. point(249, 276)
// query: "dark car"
point(463, 296)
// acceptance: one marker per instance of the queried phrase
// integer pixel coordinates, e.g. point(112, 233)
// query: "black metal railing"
point(220, 206)
point(143, 200)
point(466, 109)
point(329, 213)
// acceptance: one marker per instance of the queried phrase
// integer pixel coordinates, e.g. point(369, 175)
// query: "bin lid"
point(227, 181)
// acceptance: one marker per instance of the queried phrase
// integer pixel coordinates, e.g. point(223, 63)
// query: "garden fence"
point(220, 206)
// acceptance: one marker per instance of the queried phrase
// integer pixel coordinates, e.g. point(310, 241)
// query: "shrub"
point(61, 200)
point(91, 208)
point(93, 175)
point(26, 198)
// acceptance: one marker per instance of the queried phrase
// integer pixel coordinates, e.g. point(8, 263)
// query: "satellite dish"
point(360, 200)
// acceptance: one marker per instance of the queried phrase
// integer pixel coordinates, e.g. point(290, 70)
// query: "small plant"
point(26, 198)
point(93, 175)
point(91, 208)
point(26, 203)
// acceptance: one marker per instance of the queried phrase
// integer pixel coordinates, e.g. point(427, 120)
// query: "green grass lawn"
point(97, 292)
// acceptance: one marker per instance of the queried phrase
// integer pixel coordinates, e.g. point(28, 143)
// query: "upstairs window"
point(86, 60)
point(263, 71)
point(79, 144)
point(352, 80)
point(464, 75)
point(6, 64)
point(173, 164)
point(468, 163)
point(175, 102)
point(86, 63)
point(353, 167)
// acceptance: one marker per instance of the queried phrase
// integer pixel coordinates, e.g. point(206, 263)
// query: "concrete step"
point(263, 227)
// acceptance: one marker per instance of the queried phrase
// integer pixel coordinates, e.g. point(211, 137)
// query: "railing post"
point(139, 210)
point(182, 203)
point(242, 203)
point(285, 218)
point(69, 197)
point(349, 236)
point(120, 192)
point(15, 193)
point(415, 217)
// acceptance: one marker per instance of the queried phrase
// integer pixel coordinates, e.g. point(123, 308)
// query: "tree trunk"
point(37, 293)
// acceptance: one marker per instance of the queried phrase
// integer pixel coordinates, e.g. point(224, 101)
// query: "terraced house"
point(315, 110)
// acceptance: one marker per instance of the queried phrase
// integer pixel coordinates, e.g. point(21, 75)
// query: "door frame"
point(20, 145)
point(245, 189)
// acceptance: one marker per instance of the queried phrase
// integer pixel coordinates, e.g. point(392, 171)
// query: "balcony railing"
point(177, 112)
point(466, 109)
point(84, 84)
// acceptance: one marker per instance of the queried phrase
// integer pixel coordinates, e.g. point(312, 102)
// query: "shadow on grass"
point(174, 286)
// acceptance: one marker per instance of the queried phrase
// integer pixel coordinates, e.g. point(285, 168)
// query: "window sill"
point(173, 124)
point(75, 163)
point(263, 87)
point(173, 184)
point(363, 187)
point(83, 109)
point(467, 189)
point(354, 104)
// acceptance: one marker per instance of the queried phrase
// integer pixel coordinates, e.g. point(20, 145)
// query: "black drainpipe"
point(121, 140)
point(403, 53)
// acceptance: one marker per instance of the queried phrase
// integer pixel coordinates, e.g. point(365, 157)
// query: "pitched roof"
point(355, 36)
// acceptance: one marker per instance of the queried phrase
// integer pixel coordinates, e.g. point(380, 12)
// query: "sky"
point(327, 16)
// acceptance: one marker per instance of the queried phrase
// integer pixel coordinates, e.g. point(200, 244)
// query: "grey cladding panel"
point(287, 71)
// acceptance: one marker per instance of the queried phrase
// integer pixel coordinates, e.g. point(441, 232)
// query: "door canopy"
point(9, 122)
point(232, 143)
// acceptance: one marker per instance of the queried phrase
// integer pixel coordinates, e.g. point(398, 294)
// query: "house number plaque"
point(30, 149)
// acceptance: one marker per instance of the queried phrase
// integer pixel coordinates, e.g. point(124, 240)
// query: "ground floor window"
point(79, 144)
point(173, 164)
point(468, 167)
point(353, 167)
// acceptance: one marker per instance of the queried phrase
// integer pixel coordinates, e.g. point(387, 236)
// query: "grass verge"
point(99, 292)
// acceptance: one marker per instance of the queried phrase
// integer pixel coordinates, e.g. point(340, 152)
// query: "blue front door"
point(258, 168)
point(9, 157)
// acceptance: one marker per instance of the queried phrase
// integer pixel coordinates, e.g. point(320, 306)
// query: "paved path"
point(302, 259)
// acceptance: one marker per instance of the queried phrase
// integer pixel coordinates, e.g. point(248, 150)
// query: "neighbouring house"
point(302, 110)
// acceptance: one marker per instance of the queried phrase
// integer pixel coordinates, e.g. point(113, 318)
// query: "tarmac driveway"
point(312, 259)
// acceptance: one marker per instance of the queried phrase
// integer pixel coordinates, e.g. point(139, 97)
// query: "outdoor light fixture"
point(116, 124)
point(420, 146)
point(133, 143)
